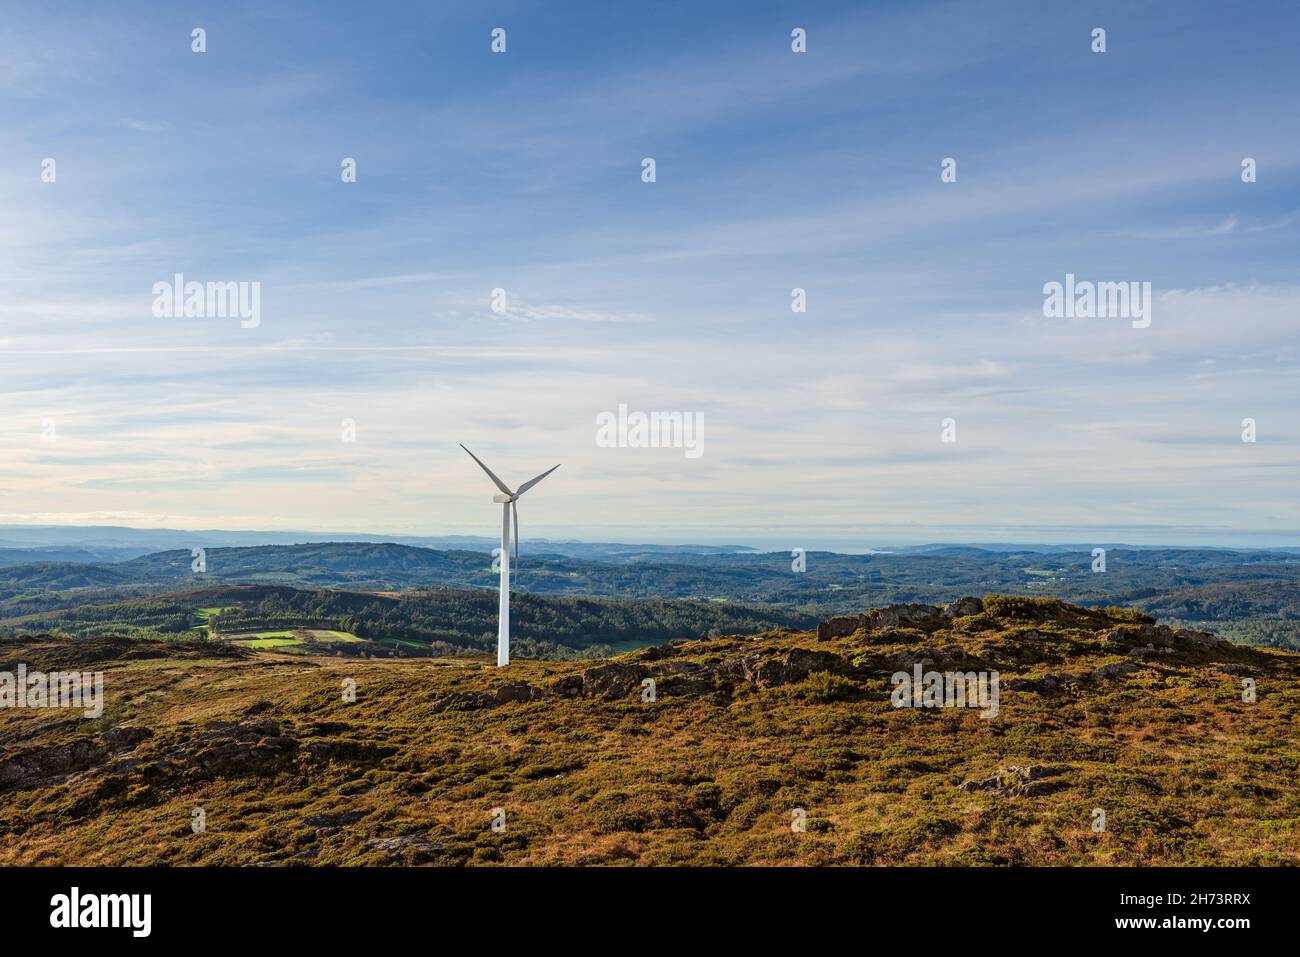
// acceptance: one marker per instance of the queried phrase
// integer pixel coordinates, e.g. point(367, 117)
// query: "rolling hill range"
point(1099, 713)
point(1251, 596)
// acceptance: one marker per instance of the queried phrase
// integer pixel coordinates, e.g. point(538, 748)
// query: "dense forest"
point(438, 620)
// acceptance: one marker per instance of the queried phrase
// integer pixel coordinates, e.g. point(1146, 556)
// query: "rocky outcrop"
point(794, 665)
point(1157, 637)
point(1018, 780)
point(1048, 682)
point(614, 680)
point(963, 607)
point(1149, 651)
point(617, 680)
point(1234, 668)
point(914, 615)
point(933, 658)
point(221, 749)
point(413, 848)
point(1201, 638)
point(332, 822)
point(1115, 670)
point(882, 620)
point(125, 737)
point(238, 747)
point(913, 624)
point(839, 627)
point(43, 766)
point(475, 700)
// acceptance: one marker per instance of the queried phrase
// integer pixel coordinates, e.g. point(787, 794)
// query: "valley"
point(403, 599)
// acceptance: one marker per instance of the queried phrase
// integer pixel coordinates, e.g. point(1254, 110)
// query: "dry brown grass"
point(1186, 772)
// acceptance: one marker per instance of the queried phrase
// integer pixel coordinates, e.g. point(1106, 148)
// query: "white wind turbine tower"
point(507, 501)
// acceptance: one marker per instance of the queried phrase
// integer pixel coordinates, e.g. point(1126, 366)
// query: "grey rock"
point(1202, 638)
point(125, 737)
point(1017, 780)
point(894, 615)
point(795, 665)
point(1234, 668)
point(334, 819)
point(839, 627)
point(1148, 651)
point(614, 680)
point(46, 765)
point(416, 846)
point(1115, 669)
point(963, 607)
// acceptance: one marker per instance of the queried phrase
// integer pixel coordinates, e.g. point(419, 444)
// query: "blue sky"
point(775, 170)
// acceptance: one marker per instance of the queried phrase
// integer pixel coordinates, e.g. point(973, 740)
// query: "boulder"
point(125, 737)
point(414, 847)
point(518, 691)
point(34, 767)
point(230, 756)
point(1148, 651)
point(839, 627)
point(963, 607)
point(932, 658)
point(1202, 638)
point(333, 819)
point(795, 665)
point(894, 615)
point(1017, 780)
point(1115, 669)
point(570, 686)
point(614, 680)
point(1234, 668)
point(657, 652)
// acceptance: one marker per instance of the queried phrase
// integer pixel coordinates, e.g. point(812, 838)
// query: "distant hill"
point(115, 543)
point(56, 554)
point(60, 576)
point(1174, 583)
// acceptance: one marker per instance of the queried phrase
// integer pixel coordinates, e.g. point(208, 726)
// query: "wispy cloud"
point(775, 171)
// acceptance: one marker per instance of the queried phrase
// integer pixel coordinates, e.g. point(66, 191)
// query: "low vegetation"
point(578, 763)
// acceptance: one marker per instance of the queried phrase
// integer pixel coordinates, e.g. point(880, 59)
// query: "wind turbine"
point(507, 501)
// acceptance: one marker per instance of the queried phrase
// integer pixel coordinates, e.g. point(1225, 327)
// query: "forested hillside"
point(1252, 596)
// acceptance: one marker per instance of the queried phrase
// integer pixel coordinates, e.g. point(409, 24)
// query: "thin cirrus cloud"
point(775, 171)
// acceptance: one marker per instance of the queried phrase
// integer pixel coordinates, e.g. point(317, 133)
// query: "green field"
point(299, 636)
point(399, 643)
point(271, 639)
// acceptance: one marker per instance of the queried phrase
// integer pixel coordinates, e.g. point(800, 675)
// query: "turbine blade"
point(515, 509)
point(533, 481)
point(492, 475)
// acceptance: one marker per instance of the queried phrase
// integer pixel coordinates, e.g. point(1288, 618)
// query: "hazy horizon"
point(869, 540)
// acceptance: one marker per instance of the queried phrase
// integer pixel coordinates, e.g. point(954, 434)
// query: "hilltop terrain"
point(1100, 710)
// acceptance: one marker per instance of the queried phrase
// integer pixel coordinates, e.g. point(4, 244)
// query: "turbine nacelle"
point(504, 499)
